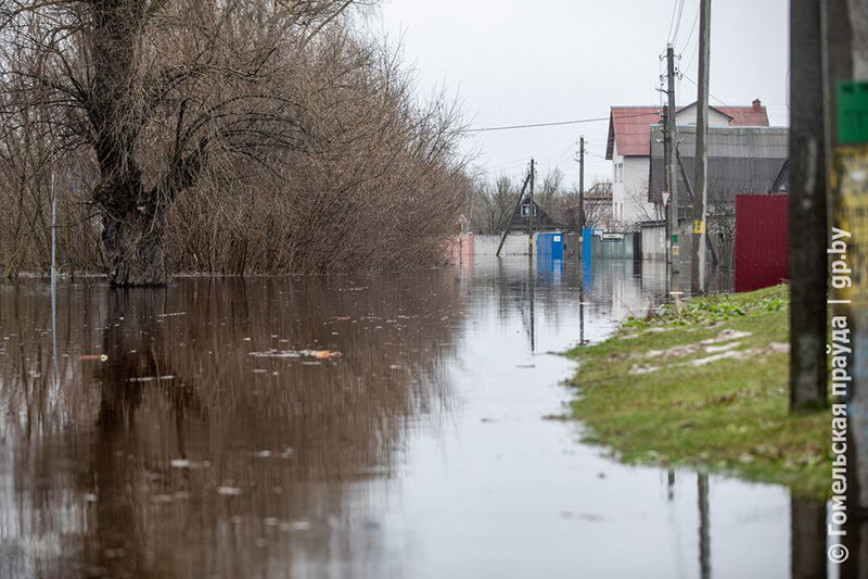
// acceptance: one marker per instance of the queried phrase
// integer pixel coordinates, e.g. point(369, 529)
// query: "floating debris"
point(318, 354)
point(150, 378)
point(184, 463)
point(171, 314)
point(295, 526)
point(94, 357)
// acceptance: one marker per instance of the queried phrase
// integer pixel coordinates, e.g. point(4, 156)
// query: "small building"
point(542, 221)
point(598, 207)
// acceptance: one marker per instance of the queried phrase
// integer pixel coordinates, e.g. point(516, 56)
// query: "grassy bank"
point(705, 386)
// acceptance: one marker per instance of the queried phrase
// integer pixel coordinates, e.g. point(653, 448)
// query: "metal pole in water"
point(53, 237)
point(54, 278)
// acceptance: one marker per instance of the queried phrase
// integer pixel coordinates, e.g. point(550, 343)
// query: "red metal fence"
point(760, 241)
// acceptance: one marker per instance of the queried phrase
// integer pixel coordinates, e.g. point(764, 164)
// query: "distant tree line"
point(495, 200)
point(234, 137)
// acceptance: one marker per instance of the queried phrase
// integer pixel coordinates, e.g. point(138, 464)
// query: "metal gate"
point(761, 239)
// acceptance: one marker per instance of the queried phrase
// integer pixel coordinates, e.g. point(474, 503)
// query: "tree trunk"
point(135, 248)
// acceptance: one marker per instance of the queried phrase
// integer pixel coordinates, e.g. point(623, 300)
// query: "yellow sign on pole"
point(850, 182)
point(698, 226)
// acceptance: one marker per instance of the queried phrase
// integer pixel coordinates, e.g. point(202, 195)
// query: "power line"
point(692, 30)
point(672, 22)
point(535, 125)
point(696, 85)
point(678, 22)
point(554, 124)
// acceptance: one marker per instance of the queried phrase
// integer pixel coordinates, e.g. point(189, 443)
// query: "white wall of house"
point(687, 116)
point(630, 189)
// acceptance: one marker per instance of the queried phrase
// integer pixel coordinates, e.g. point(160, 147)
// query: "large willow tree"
point(164, 95)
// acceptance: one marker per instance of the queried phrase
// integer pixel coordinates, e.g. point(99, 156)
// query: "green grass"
point(729, 416)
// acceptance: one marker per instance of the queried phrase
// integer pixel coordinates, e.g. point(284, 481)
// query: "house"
point(629, 149)
point(542, 221)
point(741, 159)
point(598, 205)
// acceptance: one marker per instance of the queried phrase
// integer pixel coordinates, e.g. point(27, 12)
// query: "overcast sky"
point(520, 62)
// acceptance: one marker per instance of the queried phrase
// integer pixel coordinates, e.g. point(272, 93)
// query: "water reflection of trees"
point(272, 456)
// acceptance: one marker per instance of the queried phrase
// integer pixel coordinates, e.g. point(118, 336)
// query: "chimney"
point(757, 105)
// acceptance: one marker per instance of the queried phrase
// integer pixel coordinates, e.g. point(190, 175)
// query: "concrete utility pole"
point(671, 171)
point(807, 209)
point(667, 214)
point(581, 185)
point(515, 209)
point(697, 248)
point(531, 211)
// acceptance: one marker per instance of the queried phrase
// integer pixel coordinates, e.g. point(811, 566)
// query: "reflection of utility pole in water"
point(581, 306)
point(807, 538)
point(704, 531)
point(670, 485)
point(530, 281)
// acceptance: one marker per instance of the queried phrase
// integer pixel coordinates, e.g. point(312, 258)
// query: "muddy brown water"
point(213, 442)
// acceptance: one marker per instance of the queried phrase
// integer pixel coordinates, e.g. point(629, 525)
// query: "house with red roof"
point(629, 149)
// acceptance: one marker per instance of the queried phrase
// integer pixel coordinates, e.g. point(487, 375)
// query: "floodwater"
point(223, 437)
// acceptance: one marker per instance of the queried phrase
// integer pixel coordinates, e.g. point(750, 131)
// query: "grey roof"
point(740, 160)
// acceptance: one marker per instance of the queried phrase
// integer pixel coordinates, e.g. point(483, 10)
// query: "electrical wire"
point(554, 124)
point(709, 94)
point(692, 30)
point(672, 22)
point(678, 22)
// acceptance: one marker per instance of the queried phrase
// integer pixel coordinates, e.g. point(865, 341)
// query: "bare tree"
point(496, 203)
point(549, 194)
point(237, 125)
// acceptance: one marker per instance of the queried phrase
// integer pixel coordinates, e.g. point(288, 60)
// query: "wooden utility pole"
point(807, 209)
point(697, 248)
point(581, 185)
point(843, 53)
point(671, 171)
